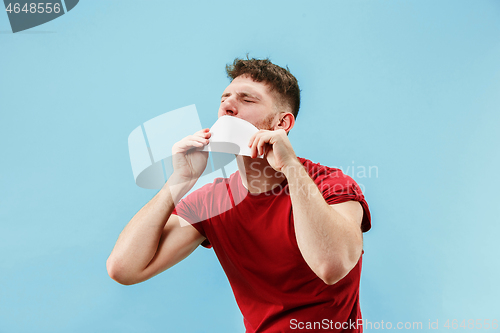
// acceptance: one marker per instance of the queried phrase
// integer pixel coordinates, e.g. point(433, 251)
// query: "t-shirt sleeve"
point(192, 210)
point(337, 187)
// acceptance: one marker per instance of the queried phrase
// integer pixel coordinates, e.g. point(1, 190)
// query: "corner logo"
point(28, 14)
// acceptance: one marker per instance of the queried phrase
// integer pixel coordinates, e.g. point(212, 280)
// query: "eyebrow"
point(241, 94)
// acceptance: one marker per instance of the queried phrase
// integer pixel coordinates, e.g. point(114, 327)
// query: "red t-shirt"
point(253, 237)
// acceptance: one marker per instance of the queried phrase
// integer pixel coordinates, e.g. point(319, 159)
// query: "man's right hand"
point(187, 159)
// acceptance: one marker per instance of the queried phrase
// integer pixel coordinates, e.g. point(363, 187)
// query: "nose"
point(229, 107)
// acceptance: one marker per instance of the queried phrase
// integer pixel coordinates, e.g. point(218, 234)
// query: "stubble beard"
point(267, 123)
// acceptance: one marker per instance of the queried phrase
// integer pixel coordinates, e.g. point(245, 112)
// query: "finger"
point(189, 144)
point(204, 133)
point(201, 138)
point(262, 141)
point(205, 130)
point(252, 138)
point(255, 145)
point(267, 149)
point(255, 142)
point(251, 144)
point(195, 138)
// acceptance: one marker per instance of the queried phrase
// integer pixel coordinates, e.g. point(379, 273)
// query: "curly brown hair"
point(277, 78)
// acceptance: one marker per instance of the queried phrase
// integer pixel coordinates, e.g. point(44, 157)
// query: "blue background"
point(410, 88)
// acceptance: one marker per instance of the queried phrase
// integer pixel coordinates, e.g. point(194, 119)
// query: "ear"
point(286, 121)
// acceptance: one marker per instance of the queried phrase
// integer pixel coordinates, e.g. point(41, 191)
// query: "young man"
point(290, 242)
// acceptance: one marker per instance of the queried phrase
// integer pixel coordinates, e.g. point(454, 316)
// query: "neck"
point(257, 175)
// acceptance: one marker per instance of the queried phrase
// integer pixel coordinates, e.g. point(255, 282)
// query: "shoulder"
point(330, 179)
point(337, 187)
point(319, 171)
point(217, 185)
point(205, 201)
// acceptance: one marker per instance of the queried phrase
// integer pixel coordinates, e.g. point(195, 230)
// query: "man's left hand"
point(276, 148)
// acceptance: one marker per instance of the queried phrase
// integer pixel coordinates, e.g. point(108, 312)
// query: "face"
point(249, 100)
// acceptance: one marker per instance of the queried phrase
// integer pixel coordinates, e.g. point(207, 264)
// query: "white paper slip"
point(231, 135)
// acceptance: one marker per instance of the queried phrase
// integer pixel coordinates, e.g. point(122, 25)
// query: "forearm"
point(329, 243)
point(138, 242)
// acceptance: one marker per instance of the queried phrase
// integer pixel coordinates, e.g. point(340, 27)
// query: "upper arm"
point(351, 210)
point(178, 240)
